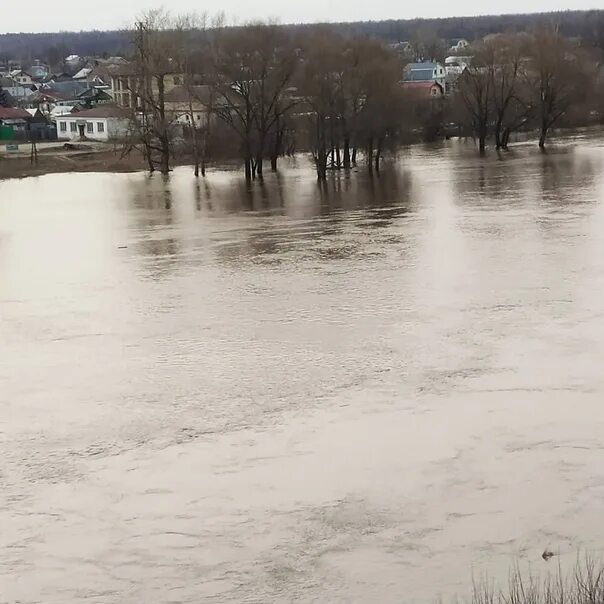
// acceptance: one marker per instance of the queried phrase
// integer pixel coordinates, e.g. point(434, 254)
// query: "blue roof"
point(426, 65)
point(419, 75)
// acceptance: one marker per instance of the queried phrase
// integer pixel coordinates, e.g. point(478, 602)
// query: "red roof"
point(423, 89)
point(13, 113)
point(419, 85)
point(99, 111)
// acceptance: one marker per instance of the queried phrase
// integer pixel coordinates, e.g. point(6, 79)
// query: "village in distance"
point(181, 90)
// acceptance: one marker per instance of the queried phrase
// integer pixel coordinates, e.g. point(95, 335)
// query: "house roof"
point(61, 110)
point(182, 94)
point(13, 113)
point(421, 85)
point(69, 87)
point(420, 75)
point(422, 89)
point(101, 111)
point(82, 73)
point(111, 61)
point(417, 66)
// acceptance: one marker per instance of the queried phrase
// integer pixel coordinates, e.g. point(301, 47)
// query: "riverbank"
point(58, 158)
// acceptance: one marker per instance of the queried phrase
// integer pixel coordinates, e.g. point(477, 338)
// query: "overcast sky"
point(113, 14)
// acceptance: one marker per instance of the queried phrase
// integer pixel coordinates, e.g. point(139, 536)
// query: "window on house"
point(73, 127)
point(100, 126)
point(63, 126)
point(90, 127)
point(176, 81)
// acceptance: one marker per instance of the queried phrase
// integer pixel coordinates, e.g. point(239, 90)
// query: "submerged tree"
point(157, 41)
point(352, 98)
point(253, 67)
point(558, 78)
point(511, 105)
point(475, 92)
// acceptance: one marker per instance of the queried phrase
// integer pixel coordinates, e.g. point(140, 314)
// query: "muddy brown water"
point(359, 393)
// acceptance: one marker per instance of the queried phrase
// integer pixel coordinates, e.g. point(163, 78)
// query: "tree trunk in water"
point(498, 138)
point(370, 155)
point(165, 157)
point(274, 163)
point(149, 159)
point(322, 164)
point(248, 169)
point(195, 152)
point(482, 138)
point(506, 139)
point(259, 166)
point(338, 157)
point(204, 151)
point(347, 153)
point(354, 156)
point(378, 153)
point(165, 134)
point(543, 136)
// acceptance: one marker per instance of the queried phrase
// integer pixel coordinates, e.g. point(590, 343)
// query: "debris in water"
point(546, 555)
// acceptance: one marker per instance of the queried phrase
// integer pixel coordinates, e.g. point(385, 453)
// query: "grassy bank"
point(584, 584)
point(58, 161)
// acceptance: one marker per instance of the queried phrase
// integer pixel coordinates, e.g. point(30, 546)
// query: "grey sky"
point(112, 14)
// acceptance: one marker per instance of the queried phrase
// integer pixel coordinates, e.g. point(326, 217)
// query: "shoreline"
point(108, 158)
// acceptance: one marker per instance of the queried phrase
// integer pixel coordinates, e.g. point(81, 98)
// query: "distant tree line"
point(587, 25)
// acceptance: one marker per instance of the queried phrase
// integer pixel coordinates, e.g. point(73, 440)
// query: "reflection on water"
point(357, 391)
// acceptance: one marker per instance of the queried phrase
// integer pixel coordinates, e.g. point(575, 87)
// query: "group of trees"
point(352, 99)
point(526, 80)
point(341, 97)
point(338, 95)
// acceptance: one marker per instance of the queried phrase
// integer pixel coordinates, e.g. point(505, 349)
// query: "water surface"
point(360, 392)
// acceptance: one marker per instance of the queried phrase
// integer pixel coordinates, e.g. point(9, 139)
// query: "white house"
point(459, 45)
point(189, 106)
point(102, 123)
point(456, 64)
point(21, 77)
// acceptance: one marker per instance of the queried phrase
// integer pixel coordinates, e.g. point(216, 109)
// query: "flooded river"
point(362, 393)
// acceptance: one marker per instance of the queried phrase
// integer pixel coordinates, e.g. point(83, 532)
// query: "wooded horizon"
point(587, 24)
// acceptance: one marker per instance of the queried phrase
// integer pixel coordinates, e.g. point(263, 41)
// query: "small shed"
point(13, 121)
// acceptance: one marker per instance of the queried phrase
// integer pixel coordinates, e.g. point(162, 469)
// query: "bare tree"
point(253, 69)
point(427, 45)
point(511, 107)
point(320, 85)
point(382, 108)
point(157, 41)
point(558, 78)
point(475, 92)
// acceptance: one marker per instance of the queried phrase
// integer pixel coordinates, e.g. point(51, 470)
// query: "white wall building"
point(459, 45)
point(102, 123)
